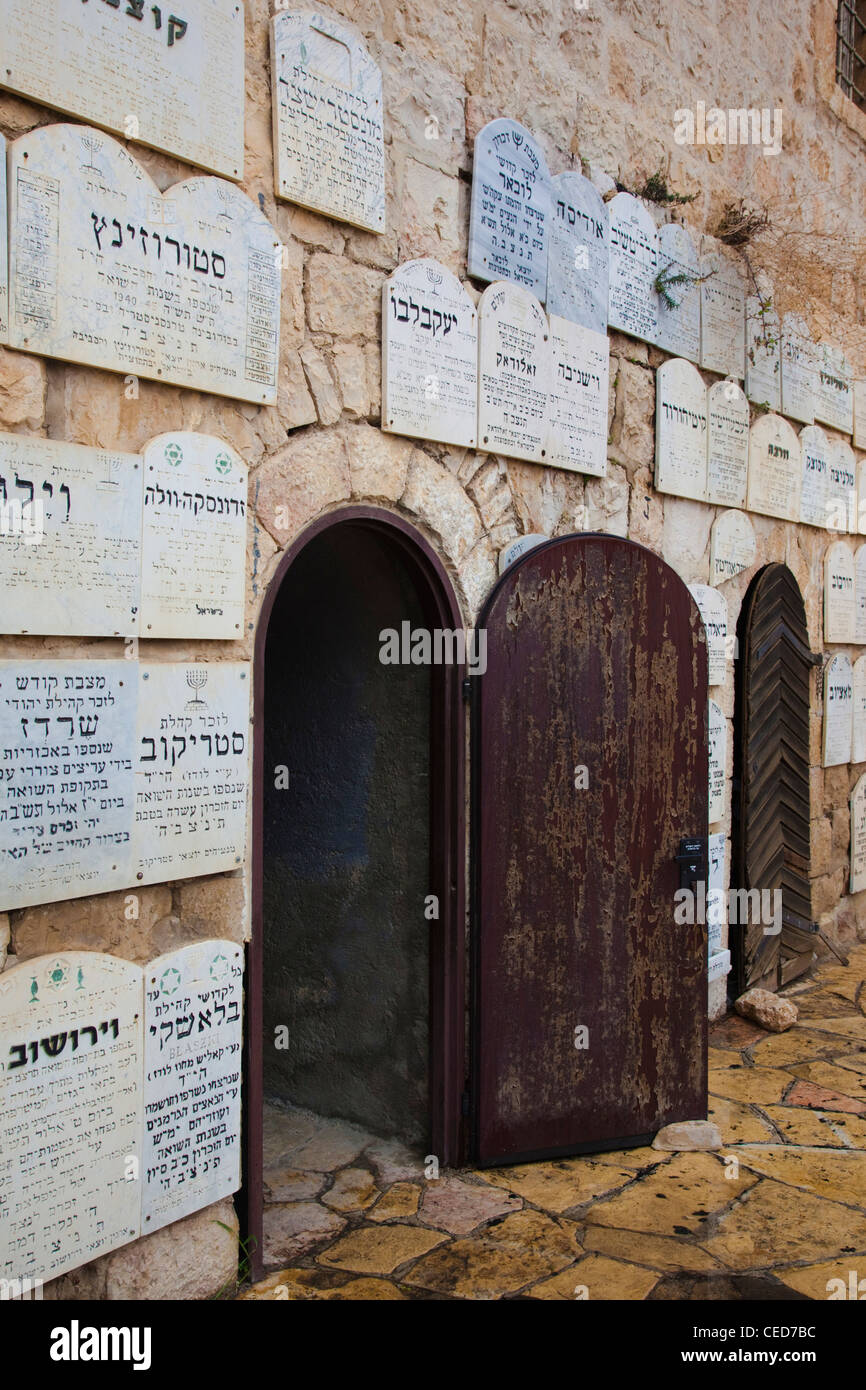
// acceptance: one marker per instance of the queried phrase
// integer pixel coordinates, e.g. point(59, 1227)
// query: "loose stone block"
point(723, 311)
point(815, 451)
point(514, 372)
point(679, 271)
point(799, 370)
point(577, 436)
point(717, 743)
point(834, 396)
point(578, 267)
point(763, 347)
point(732, 546)
point(775, 469)
point(768, 1010)
point(510, 213)
point(713, 608)
point(839, 593)
point(858, 837)
point(838, 711)
point(634, 253)
point(728, 446)
point(681, 430)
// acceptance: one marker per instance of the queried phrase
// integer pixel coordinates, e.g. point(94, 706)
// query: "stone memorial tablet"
point(815, 451)
point(723, 311)
point(578, 264)
point(713, 608)
point(510, 212)
point(70, 1111)
point(860, 594)
point(718, 965)
point(839, 593)
point(861, 497)
point(104, 269)
point(577, 438)
point(763, 347)
point(681, 430)
point(858, 836)
point(732, 546)
point(429, 355)
point(514, 373)
point(841, 486)
point(634, 253)
point(4, 247)
point(834, 397)
point(193, 541)
point(192, 1080)
point(679, 301)
point(70, 538)
point(858, 727)
point(67, 731)
point(191, 770)
point(799, 370)
point(175, 83)
point(329, 151)
point(858, 391)
point(728, 448)
point(838, 711)
point(775, 469)
point(717, 744)
point(519, 547)
point(716, 893)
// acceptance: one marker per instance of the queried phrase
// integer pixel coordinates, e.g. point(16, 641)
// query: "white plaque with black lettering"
point(679, 291)
point(834, 398)
point(634, 256)
point(732, 546)
point(858, 837)
point(510, 212)
point(713, 608)
point(723, 311)
point(577, 439)
point(838, 711)
point(681, 430)
point(775, 469)
point(514, 373)
point(799, 370)
point(815, 450)
point(860, 594)
point(4, 247)
point(839, 593)
point(728, 451)
point(579, 261)
point(763, 347)
point(718, 746)
point(716, 893)
point(858, 734)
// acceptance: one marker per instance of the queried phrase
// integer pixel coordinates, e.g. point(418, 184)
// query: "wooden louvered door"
point(770, 830)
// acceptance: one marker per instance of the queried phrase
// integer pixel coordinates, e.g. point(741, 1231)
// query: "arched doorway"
point(356, 992)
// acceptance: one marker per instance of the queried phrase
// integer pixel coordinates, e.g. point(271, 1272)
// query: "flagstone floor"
point(776, 1214)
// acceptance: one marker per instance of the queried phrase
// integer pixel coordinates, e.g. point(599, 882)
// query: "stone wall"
point(599, 87)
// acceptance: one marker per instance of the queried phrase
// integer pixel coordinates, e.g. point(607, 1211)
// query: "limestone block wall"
point(599, 87)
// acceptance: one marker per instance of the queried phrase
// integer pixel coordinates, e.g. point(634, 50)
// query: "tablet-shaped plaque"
point(679, 303)
point(192, 1080)
point(716, 893)
point(713, 608)
point(728, 451)
point(174, 83)
point(839, 593)
point(66, 730)
point(763, 346)
point(191, 769)
point(514, 373)
point(70, 548)
point(510, 212)
point(516, 548)
point(858, 837)
point(70, 1111)
point(181, 286)
point(429, 355)
point(861, 497)
point(723, 311)
point(718, 746)
point(193, 540)
point(732, 546)
point(860, 594)
point(799, 370)
point(838, 711)
point(681, 430)
point(634, 255)
point(4, 247)
point(577, 438)
point(815, 451)
point(775, 469)
point(841, 486)
point(834, 397)
point(859, 394)
point(858, 737)
point(326, 91)
point(579, 260)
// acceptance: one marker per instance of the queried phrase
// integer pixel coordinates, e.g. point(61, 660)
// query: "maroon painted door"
point(589, 768)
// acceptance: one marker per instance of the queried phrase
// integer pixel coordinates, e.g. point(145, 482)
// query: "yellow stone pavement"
point(779, 1212)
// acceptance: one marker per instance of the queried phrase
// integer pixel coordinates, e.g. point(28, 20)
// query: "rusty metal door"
point(589, 768)
point(770, 822)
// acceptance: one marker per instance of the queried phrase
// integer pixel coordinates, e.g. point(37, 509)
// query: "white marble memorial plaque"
point(429, 355)
point(713, 608)
point(519, 547)
point(329, 151)
point(175, 83)
point(728, 449)
point(70, 538)
point(717, 745)
point(578, 264)
point(858, 727)
point(841, 514)
point(763, 347)
point(723, 311)
point(193, 542)
point(718, 965)
point(858, 836)
point(191, 769)
point(510, 212)
point(192, 1080)
point(834, 397)
point(859, 409)
point(732, 546)
point(775, 469)
point(577, 437)
point(4, 247)
point(679, 302)
point(861, 498)
point(681, 430)
point(182, 287)
point(839, 593)
point(70, 1111)
point(514, 373)
point(67, 730)
point(799, 370)
point(838, 711)
point(815, 451)
point(860, 594)
point(634, 254)
point(716, 893)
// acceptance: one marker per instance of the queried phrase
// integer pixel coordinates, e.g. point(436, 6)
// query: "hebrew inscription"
point(510, 212)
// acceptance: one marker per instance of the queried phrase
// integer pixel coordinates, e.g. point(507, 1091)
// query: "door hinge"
point(464, 1103)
